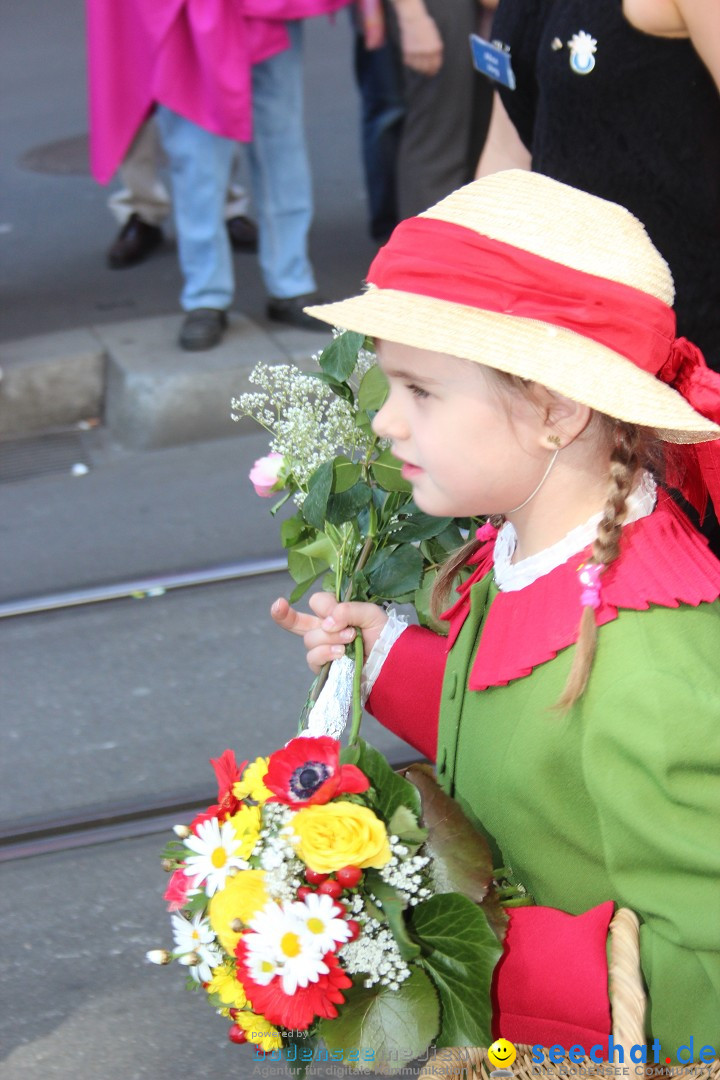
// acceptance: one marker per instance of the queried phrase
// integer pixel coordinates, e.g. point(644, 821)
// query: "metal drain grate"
point(42, 455)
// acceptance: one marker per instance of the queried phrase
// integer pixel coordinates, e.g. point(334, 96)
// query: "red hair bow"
point(699, 474)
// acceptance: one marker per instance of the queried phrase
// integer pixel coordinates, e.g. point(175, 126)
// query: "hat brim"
point(566, 362)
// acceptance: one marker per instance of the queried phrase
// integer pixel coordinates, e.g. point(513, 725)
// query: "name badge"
point(492, 61)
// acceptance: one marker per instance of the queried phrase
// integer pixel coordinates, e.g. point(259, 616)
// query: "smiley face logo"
point(502, 1054)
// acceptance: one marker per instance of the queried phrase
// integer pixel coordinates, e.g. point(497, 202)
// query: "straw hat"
point(565, 235)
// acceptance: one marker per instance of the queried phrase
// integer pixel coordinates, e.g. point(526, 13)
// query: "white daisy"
point(262, 965)
point(318, 915)
point(216, 850)
point(277, 933)
point(196, 936)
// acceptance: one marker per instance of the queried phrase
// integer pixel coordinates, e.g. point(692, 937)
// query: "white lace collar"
point(512, 577)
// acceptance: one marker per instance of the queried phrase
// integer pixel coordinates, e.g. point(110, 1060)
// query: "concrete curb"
point(133, 375)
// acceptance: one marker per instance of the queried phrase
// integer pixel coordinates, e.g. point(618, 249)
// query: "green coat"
point(618, 799)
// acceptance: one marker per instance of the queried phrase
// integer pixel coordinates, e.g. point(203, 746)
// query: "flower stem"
point(357, 709)
point(322, 676)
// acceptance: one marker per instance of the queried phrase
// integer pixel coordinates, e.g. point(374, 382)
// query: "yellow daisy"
point(251, 786)
point(224, 983)
point(243, 896)
point(259, 1031)
point(246, 825)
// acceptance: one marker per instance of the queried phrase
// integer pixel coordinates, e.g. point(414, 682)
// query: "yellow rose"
point(337, 834)
point(246, 824)
point(252, 786)
point(243, 896)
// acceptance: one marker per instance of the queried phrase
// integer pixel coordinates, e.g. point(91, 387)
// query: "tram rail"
point(138, 818)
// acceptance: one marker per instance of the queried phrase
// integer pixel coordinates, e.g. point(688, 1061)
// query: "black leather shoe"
point(289, 310)
point(202, 329)
point(135, 241)
point(243, 234)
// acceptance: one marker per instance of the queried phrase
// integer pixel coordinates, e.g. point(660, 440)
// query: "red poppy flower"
point(295, 1011)
point(308, 771)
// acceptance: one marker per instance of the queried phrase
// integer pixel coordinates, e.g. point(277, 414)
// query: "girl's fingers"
point(322, 639)
point(323, 654)
point(297, 622)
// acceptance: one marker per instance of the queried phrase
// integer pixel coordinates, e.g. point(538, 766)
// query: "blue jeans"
point(200, 166)
point(378, 74)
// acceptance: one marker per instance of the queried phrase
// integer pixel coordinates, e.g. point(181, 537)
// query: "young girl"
point(573, 709)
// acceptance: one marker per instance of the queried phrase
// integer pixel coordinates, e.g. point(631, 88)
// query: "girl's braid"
point(624, 461)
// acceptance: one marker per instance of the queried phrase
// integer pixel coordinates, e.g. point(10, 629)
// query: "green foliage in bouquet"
point(356, 526)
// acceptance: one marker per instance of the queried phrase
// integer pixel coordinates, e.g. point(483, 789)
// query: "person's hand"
point(420, 40)
point(332, 626)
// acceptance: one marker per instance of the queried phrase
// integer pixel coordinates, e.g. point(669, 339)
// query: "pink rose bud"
point(264, 474)
point(176, 893)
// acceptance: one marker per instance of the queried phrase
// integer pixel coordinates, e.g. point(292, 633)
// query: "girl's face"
point(468, 445)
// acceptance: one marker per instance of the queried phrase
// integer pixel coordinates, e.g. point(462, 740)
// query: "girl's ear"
point(564, 419)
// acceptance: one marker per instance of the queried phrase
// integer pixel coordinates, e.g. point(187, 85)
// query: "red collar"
point(664, 561)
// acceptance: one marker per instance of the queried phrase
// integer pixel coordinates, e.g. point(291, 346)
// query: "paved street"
point(123, 702)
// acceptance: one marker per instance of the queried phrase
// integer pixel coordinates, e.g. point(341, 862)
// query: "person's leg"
point(280, 172)
point(142, 204)
point(436, 151)
point(241, 229)
point(378, 76)
point(200, 165)
point(143, 192)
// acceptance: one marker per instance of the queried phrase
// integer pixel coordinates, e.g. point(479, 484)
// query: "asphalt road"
point(125, 701)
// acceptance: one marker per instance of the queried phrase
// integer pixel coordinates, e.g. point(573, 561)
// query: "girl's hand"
point(332, 627)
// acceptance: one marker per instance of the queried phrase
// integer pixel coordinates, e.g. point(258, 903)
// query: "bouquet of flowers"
point(326, 904)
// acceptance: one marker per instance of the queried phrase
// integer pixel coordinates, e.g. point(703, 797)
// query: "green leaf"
point(363, 422)
point(321, 548)
point(347, 505)
point(392, 1026)
point(393, 908)
point(301, 588)
point(373, 389)
point(461, 857)
point(340, 388)
point(419, 526)
point(390, 788)
point(340, 357)
point(303, 567)
point(422, 601)
point(345, 473)
point(459, 953)
point(297, 1053)
point(405, 825)
point(398, 573)
point(292, 531)
point(386, 470)
point(319, 488)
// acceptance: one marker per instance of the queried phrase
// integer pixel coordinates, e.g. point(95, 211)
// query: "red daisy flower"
point(228, 772)
point(308, 771)
point(294, 1011)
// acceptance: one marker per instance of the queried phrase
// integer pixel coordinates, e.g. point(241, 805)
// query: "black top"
point(642, 128)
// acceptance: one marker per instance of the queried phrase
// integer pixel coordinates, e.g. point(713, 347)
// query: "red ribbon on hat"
point(430, 257)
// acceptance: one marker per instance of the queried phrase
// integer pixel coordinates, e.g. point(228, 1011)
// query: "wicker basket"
point(627, 995)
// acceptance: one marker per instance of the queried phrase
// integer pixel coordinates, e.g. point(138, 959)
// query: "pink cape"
point(194, 56)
